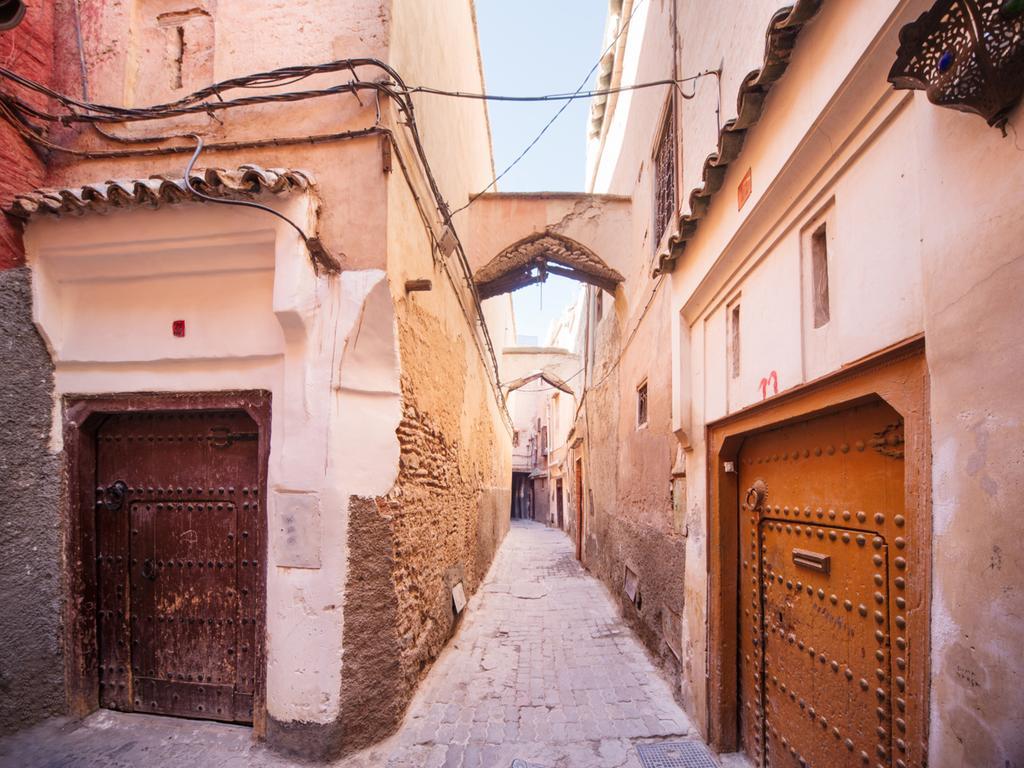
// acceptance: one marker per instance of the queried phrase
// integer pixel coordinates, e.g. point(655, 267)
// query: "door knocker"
point(113, 496)
point(756, 495)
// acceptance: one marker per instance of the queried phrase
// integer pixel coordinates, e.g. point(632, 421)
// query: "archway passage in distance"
point(533, 258)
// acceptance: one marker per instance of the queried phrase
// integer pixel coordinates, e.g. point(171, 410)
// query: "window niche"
point(734, 340)
point(172, 44)
point(641, 405)
point(819, 276)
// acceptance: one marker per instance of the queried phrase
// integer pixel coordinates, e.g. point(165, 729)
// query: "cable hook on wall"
point(317, 252)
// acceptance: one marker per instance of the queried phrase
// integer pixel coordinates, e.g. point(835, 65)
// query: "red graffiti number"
point(771, 379)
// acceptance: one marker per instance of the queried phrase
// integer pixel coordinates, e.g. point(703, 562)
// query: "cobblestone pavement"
point(542, 669)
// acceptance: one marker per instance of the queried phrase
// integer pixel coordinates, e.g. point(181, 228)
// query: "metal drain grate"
point(676, 754)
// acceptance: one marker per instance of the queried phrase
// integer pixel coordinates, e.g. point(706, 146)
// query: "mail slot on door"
point(815, 561)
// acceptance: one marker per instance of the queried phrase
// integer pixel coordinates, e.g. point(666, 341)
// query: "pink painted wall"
point(28, 50)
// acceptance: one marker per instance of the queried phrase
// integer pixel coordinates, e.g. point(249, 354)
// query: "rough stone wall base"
point(31, 663)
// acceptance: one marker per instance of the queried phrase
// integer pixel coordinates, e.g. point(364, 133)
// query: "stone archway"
point(544, 376)
point(533, 258)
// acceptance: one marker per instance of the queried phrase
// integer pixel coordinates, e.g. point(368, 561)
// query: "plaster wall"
point(28, 50)
point(973, 264)
point(441, 521)
point(443, 518)
point(923, 238)
point(131, 57)
point(436, 44)
point(257, 317)
point(599, 222)
point(631, 530)
point(538, 402)
point(31, 658)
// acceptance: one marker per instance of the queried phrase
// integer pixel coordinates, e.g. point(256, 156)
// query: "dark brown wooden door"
point(821, 534)
point(178, 510)
point(579, 509)
point(559, 504)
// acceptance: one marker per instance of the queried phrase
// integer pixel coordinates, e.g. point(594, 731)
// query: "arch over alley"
point(533, 258)
point(518, 239)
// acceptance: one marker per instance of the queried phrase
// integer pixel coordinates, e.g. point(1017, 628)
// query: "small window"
point(641, 405)
point(599, 304)
point(819, 275)
point(665, 175)
point(515, 439)
point(734, 340)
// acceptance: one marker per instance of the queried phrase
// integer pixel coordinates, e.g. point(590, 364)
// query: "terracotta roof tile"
point(246, 181)
point(781, 37)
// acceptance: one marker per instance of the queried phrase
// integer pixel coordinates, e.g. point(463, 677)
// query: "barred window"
point(641, 405)
point(665, 175)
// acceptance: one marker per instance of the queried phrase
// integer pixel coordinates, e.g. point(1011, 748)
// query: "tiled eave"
point(247, 181)
point(783, 31)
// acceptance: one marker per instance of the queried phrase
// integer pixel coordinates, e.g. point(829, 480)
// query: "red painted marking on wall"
point(744, 189)
point(773, 379)
point(178, 328)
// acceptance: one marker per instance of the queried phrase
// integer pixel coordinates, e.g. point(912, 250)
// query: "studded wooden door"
point(822, 591)
point(177, 507)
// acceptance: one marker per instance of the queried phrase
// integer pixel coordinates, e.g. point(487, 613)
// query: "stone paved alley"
point(542, 669)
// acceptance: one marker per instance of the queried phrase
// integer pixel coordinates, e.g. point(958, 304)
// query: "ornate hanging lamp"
point(967, 55)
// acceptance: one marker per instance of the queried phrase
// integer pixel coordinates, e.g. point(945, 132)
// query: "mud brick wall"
point(441, 524)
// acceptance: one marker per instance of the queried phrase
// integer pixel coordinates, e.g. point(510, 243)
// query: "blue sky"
point(533, 47)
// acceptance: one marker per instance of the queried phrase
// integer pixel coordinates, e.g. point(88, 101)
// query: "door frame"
point(579, 508)
point(898, 376)
point(82, 417)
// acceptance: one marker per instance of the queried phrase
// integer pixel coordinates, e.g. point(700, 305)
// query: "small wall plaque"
point(459, 597)
point(297, 534)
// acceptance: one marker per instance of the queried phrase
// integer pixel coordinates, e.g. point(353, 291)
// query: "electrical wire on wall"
point(28, 120)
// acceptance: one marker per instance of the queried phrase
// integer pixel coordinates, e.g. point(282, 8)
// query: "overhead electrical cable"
point(21, 116)
point(554, 117)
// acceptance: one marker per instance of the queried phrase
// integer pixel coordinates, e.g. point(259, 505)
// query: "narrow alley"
point(542, 670)
point(488, 384)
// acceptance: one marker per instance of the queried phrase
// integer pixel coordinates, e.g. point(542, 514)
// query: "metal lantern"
point(966, 54)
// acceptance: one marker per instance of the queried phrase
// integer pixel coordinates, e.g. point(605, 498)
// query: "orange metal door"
point(821, 533)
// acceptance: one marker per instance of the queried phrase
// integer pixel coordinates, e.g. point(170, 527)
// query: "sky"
point(532, 47)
